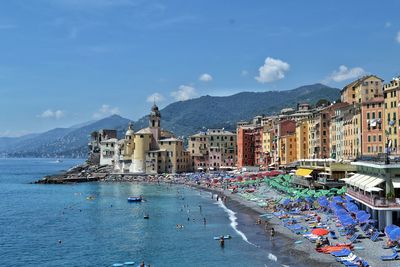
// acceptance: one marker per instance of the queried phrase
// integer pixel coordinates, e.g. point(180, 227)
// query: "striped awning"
point(303, 172)
point(396, 183)
point(365, 182)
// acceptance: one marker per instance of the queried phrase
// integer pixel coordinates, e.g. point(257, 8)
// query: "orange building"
point(372, 131)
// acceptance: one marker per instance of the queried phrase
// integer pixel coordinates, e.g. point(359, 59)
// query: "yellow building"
point(151, 150)
point(287, 148)
point(352, 133)
point(302, 139)
point(391, 92)
point(362, 90)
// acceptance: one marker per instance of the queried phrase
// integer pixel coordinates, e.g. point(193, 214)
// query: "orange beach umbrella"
point(320, 231)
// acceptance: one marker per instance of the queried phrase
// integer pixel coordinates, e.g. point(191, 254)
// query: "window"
point(373, 115)
point(369, 138)
point(368, 117)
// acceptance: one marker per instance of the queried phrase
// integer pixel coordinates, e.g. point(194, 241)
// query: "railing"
point(374, 200)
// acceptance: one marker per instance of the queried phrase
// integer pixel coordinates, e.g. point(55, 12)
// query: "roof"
point(303, 172)
point(359, 81)
point(172, 139)
point(111, 140)
point(144, 131)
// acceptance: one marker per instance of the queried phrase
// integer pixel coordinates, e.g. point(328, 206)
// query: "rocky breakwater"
point(79, 174)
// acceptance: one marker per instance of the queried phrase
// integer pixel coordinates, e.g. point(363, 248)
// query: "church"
point(148, 151)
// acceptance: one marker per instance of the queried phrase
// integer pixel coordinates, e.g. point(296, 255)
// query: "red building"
point(245, 146)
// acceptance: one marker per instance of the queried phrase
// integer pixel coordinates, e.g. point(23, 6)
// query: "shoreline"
point(304, 251)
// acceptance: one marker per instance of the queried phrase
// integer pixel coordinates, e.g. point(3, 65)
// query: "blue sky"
point(68, 61)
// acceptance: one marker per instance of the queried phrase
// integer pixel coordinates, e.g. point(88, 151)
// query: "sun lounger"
point(394, 256)
point(350, 257)
point(375, 236)
point(341, 253)
point(353, 239)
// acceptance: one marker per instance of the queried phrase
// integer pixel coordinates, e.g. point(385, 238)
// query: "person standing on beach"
point(217, 197)
point(272, 232)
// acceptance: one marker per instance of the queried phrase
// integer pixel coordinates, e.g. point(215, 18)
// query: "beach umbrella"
point(390, 228)
point(320, 231)
point(286, 201)
point(394, 235)
point(348, 199)
point(352, 207)
point(338, 199)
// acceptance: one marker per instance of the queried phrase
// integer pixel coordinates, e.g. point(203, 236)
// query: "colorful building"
point(213, 149)
point(391, 120)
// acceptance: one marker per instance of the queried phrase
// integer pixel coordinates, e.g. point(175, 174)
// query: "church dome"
point(130, 130)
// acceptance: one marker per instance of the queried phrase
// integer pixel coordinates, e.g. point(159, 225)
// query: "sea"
point(93, 224)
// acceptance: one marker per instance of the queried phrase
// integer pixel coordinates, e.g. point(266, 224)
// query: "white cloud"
point(272, 70)
point(388, 24)
point(244, 73)
point(344, 73)
point(105, 111)
point(184, 92)
point(398, 37)
point(156, 97)
point(205, 77)
point(50, 114)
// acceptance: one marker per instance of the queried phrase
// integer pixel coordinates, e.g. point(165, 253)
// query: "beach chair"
point(341, 253)
point(349, 258)
point(392, 257)
point(354, 237)
point(374, 236)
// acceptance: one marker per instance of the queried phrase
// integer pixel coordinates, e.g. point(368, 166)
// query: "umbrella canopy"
point(394, 235)
point(390, 228)
point(320, 231)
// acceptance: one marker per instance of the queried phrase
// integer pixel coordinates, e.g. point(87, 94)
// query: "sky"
point(64, 62)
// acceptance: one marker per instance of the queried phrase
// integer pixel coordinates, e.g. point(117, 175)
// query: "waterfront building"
point(351, 148)
point(391, 125)
point(108, 147)
point(371, 126)
point(376, 187)
point(150, 150)
point(94, 144)
point(245, 146)
point(287, 148)
point(321, 173)
point(213, 149)
point(362, 90)
point(302, 139)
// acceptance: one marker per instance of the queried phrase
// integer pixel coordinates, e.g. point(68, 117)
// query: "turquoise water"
point(36, 218)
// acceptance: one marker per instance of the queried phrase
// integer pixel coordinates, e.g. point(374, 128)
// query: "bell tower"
point(155, 122)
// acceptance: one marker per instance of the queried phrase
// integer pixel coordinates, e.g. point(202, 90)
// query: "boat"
point(225, 237)
point(146, 216)
point(129, 263)
point(135, 199)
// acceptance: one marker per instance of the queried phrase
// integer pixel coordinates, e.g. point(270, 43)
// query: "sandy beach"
point(305, 251)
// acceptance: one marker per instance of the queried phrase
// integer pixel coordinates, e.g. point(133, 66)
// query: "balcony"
point(374, 200)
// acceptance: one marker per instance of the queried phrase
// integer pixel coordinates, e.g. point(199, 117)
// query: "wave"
point(233, 218)
point(234, 224)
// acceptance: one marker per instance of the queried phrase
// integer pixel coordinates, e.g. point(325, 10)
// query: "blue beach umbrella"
point(286, 201)
point(390, 228)
point(338, 199)
point(394, 235)
point(352, 207)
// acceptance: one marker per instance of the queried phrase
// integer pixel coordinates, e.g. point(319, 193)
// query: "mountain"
point(61, 142)
point(183, 118)
point(188, 117)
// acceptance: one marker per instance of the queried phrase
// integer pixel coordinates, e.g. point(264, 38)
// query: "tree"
point(322, 103)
